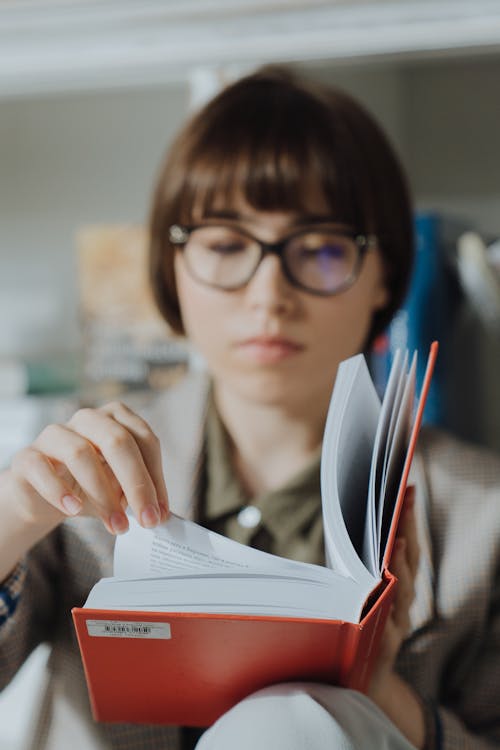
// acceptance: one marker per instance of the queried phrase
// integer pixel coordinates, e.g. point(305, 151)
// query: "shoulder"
point(462, 487)
point(450, 462)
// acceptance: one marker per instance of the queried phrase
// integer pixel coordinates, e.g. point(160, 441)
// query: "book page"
point(179, 545)
point(388, 543)
point(394, 417)
point(390, 405)
point(396, 459)
point(345, 467)
point(241, 592)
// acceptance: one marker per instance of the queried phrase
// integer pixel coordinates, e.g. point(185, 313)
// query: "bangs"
point(279, 154)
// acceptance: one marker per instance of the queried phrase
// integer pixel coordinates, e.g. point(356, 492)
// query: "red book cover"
point(209, 662)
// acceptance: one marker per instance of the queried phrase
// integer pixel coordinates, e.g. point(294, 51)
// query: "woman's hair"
point(274, 139)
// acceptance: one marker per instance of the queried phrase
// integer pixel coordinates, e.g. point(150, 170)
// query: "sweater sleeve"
point(27, 608)
point(10, 591)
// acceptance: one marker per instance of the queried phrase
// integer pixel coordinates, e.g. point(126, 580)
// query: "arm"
point(94, 465)
point(27, 608)
point(471, 719)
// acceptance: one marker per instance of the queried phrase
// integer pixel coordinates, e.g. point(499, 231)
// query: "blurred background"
point(91, 93)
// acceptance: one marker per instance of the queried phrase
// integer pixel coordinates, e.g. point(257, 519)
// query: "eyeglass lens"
point(321, 260)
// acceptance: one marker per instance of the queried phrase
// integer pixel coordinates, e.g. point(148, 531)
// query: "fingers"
point(148, 444)
point(404, 564)
point(34, 468)
point(120, 451)
point(67, 471)
point(100, 462)
point(397, 624)
point(408, 530)
point(405, 591)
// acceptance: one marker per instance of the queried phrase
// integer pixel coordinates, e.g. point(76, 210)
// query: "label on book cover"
point(128, 629)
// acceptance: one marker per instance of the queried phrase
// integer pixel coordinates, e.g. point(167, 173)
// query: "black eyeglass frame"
point(179, 235)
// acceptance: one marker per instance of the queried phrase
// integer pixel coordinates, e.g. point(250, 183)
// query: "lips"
point(269, 349)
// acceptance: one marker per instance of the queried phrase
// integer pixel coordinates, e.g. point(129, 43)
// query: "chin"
point(271, 389)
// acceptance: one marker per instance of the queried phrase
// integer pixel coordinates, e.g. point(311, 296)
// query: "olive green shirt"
point(286, 521)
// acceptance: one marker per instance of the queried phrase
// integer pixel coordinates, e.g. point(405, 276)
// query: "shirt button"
point(249, 517)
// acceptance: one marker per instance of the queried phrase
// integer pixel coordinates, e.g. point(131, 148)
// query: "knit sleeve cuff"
point(10, 591)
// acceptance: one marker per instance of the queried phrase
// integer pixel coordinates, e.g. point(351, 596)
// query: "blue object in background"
point(427, 314)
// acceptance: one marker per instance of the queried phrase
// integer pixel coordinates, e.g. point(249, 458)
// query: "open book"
point(192, 622)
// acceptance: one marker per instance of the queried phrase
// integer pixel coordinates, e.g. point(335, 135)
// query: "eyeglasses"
point(320, 260)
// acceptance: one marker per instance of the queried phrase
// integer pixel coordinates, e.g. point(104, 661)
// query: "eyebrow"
point(230, 215)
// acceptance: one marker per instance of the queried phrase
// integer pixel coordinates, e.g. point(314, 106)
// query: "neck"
point(271, 442)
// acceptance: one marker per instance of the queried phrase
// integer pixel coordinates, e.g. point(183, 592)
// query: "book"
point(192, 622)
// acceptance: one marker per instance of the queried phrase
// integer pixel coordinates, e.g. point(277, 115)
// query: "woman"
point(281, 244)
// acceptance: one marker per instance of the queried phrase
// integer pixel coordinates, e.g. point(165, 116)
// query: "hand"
point(394, 696)
point(98, 463)
point(404, 565)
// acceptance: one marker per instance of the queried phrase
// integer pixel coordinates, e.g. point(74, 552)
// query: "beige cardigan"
point(452, 656)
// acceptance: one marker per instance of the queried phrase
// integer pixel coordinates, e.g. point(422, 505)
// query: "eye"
point(220, 240)
point(324, 248)
point(330, 250)
point(227, 247)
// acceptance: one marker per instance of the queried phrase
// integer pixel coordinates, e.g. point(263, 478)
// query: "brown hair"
point(269, 137)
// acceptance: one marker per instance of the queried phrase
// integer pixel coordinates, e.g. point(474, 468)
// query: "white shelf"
point(67, 45)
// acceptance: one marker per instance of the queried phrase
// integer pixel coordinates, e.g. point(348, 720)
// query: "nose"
point(268, 289)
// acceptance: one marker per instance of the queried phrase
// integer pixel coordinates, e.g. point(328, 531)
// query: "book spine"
point(363, 642)
point(365, 639)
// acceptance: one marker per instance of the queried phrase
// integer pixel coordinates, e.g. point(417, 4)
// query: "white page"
point(225, 592)
point(394, 418)
point(397, 457)
point(389, 404)
point(180, 545)
point(345, 466)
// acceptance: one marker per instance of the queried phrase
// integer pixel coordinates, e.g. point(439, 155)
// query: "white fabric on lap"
point(304, 716)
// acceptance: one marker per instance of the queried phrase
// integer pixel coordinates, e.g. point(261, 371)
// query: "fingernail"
point(118, 522)
point(410, 500)
point(71, 505)
point(164, 511)
point(150, 516)
point(123, 503)
point(410, 494)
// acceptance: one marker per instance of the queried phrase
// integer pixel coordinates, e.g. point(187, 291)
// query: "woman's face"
point(270, 342)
